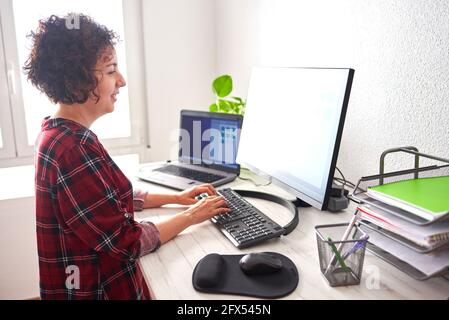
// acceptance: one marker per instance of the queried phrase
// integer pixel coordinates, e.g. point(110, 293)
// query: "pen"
point(358, 245)
point(337, 254)
point(344, 238)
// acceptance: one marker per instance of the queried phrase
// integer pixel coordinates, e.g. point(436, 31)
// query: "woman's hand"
point(187, 197)
point(202, 210)
point(206, 208)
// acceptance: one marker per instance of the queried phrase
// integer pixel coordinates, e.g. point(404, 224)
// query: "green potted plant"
point(222, 87)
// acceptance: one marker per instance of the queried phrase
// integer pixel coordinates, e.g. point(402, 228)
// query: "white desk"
point(169, 270)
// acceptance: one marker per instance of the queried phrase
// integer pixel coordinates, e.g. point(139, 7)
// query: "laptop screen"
point(209, 138)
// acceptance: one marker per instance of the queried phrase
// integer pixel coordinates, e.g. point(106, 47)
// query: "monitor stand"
point(299, 203)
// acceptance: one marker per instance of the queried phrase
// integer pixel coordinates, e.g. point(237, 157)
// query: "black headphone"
point(289, 227)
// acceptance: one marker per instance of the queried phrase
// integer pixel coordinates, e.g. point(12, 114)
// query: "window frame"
point(16, 149)
point(8, 145)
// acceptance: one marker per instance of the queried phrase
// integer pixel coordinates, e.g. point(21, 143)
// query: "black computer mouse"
point(260, 263)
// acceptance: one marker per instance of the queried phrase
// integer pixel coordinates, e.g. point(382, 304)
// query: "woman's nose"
point(121, 82)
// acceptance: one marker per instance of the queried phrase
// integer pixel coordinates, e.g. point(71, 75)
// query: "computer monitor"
point(292, 128)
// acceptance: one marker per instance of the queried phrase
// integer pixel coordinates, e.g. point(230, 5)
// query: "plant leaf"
point(213, 107)
point(232, 106)
point(224, 105)
point(238, 99)
point(222, 86)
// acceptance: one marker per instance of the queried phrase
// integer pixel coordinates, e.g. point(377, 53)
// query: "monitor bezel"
point(216, 115)
point(300, 195)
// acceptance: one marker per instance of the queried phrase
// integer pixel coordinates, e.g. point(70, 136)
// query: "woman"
point(88, 241)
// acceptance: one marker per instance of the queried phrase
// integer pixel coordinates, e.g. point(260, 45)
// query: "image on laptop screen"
point(209, 138)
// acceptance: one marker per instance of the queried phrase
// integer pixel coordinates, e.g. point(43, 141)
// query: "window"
point(7, 148)
point(20, 179)
point(22, 107)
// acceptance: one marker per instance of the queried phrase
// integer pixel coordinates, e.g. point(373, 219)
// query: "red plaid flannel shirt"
point(88, 242)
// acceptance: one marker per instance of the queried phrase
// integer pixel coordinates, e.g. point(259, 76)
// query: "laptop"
point(208, 144)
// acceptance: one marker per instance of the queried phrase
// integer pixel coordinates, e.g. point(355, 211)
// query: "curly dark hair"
point(63, 57)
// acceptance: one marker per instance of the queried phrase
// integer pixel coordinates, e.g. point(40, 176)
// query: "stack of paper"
point(428, 236)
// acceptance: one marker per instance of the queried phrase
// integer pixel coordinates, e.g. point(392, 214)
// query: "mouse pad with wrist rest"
point(222, 274)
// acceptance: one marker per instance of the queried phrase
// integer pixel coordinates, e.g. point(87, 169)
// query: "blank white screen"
point(291, 123)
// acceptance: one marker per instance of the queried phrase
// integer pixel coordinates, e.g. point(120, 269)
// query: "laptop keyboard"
point(245, 225)
point(190, 174)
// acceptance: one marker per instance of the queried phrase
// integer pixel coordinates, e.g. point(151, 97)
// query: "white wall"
point(399, 49)
point(237, 40)
point(180, 65)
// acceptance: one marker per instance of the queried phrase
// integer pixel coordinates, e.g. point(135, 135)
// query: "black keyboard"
point(245, 225)
point(190, 174)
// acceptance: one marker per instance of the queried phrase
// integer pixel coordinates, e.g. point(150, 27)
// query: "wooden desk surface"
point(169, 270)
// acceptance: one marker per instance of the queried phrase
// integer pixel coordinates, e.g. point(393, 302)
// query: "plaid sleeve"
point(89, 204)
point(149, 239)
point(139, 199)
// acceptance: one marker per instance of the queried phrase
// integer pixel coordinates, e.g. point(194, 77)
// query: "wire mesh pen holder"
point(341, 262)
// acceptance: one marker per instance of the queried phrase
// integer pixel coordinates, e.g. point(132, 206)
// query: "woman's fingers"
point(211, 189)
point(201, 189)
point(207, 187)
point(209, 207)
point(221, 203)
point(213, 199)
point(217, 201)
point(221, 211)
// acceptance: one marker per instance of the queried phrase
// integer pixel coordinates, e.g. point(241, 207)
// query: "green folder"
point(426, 197)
